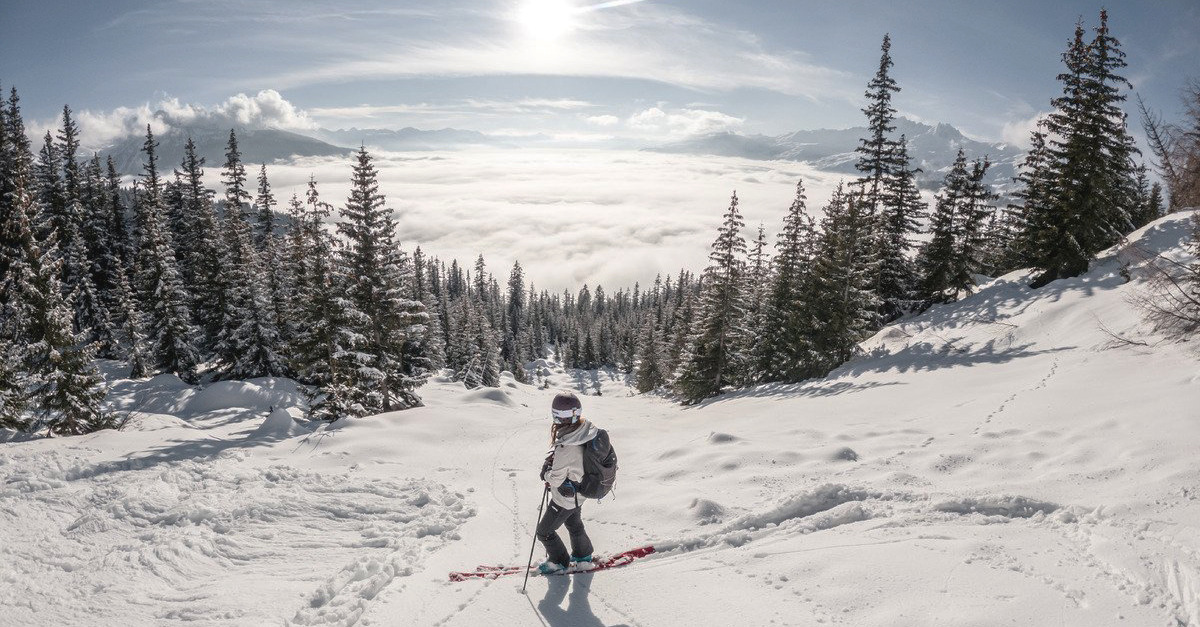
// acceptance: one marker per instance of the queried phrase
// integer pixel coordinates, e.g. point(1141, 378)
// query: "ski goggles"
point(566, 415)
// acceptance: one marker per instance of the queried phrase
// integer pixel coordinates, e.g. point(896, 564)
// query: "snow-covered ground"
point(1002, 460)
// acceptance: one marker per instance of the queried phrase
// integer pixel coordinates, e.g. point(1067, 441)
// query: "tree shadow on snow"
point(808, 389)
point(927, 356)
point(178, 450)
point(578, 612)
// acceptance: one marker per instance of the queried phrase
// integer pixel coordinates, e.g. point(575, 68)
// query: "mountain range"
point(932, 148)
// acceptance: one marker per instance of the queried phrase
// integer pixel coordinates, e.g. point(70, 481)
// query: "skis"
point(602, 563)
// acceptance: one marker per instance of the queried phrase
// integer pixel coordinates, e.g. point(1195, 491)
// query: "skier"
point(562, 473)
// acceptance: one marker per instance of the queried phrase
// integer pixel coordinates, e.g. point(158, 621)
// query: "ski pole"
point(529, 564)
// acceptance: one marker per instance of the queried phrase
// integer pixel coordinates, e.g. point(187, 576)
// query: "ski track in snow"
point(171, 535)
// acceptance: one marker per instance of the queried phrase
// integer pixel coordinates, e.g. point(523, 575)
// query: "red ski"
point(601, 563)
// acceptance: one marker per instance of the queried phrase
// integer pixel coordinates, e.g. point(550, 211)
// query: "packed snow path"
point(998, 461)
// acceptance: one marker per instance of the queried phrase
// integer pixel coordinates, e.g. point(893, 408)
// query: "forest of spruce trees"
point(168, 276)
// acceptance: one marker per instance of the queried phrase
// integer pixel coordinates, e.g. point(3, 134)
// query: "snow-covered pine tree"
point(403, 359)
point(200, 248)
point(99, 236)
point(165, 300)
point(715, 354)
point(428, 349)
point(372, 265)
point(128, 319)
point(511, 348)
point(785, 348)
point(271, 255)
point(248, 343)
point(650, 373)
point(843, 304)
point(755, 288)
point(264, 203)
point(63, 382)
point(14, 398)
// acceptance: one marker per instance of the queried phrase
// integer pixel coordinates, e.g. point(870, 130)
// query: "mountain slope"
point(1000, 460)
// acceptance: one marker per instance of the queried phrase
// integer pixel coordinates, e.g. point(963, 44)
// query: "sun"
point(546, 20)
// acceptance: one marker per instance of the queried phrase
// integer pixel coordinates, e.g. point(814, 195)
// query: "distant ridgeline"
point(220, 288)
point(931, 148)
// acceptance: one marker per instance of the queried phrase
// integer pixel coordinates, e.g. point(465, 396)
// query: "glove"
point(567, 488)
point(547, 465)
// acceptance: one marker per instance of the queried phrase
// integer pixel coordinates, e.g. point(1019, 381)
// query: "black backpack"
point(599, 467)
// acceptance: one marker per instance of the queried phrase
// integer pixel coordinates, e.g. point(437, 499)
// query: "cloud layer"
point(570, 217)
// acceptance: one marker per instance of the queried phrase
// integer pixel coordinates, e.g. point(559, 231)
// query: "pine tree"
point(714, 356)
point(119, 237)
point(199, 249)
point(166, 301)
point(844, 305)
point(876, 152)
point(785, 348)
point(938, 256)
point(901, 210)
point(650, 368)
point(63, 383)
point(129, 320)
point(248, 343)
point(757, 283)
point(971, 245)
point(1029, 216)
point(373, 267)
point(323, 349)
point(264, 227)
point(1091, 159)
point(14, 399)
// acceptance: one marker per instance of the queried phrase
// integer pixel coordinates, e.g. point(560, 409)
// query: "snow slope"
point(1002, 460)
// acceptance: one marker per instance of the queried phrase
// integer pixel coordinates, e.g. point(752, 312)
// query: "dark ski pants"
point(547, 532)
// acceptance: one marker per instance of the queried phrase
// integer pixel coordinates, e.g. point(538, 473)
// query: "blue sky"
point(653, 69)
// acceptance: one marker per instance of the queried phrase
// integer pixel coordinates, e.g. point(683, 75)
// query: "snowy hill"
point(932, 148)
point(1001, 460)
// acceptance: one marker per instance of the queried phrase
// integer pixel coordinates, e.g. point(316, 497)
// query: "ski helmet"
point(566, 408)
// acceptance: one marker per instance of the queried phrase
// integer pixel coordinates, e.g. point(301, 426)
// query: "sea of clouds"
point(601, 217)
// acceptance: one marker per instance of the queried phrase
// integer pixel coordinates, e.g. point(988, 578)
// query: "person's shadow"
point(578, 612)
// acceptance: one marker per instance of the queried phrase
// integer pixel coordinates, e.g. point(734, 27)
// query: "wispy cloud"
point(640, 41)
point(682, 122)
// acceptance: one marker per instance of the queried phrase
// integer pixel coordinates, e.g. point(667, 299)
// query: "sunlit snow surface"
point(1002, 460)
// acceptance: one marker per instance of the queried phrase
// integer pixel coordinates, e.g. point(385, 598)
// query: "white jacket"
point(568, 462)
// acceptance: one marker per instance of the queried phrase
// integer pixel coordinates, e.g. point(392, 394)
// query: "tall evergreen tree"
point(248, 343)
point(1090, 152)
point(939, 255)
point(373, 266)
point(165, 300)
point(264, 226)
point(900, 212)
point(785, 347)
point(844, 305)
point(714, 357)
point(877, 152)
point(60, 376)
